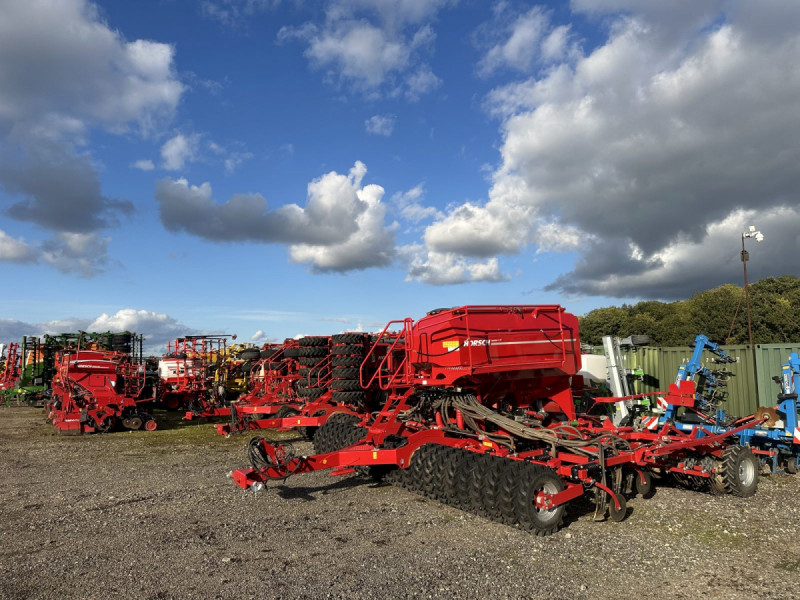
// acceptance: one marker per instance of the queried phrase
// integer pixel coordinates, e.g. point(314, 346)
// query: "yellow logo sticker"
point(450, 344)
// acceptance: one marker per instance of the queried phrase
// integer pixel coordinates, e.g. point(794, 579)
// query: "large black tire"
point(443, 488)
point(316, 351)
point(740, 469)
point(347, 361)
point(313, 340)
point(285, 411)
point(342, 417)
point(291, 352)
point(346, 385)
point(345, 373)
point(339, 431)
point(535, 478)
point(348, 349)
point(348, 397)
point(310, 393)
point(465, 473)
point(324, 438)
point(349, 338)
point(250, 354)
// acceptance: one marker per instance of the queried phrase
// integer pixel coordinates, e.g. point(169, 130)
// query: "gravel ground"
point(152, 515)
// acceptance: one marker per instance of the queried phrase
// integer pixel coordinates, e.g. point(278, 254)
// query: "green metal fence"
point(769, 358)
point(749, 386)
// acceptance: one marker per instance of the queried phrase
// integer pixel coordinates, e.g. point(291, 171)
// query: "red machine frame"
point(94, 389)
point(493, 383)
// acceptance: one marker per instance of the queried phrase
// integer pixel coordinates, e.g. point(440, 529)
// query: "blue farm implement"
point(476, 410)
point(777, 439)
point(774, 437)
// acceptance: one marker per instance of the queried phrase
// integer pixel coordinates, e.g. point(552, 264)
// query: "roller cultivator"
point(476, 411)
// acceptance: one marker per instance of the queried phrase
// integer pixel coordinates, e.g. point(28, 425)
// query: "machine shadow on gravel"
point(309, 493)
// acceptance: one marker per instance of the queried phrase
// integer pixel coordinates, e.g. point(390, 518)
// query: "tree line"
point(719, 313)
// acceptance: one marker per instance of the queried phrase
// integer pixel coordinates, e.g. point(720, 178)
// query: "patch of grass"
point(188, 434)
point(205, 434)
point(792, 566)
point(449, 518)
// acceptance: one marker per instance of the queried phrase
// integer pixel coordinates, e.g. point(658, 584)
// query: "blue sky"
point(283, 167)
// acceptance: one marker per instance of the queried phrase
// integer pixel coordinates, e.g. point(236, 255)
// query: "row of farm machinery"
point(481, 407)
point(97, 382)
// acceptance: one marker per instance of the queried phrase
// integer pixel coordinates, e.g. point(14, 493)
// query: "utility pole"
point(759, 237)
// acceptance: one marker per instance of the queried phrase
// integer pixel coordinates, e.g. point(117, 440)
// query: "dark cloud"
point(341, 228)
point(649, 155)
point(61, 190)
point(688, 267)
point(329, 217)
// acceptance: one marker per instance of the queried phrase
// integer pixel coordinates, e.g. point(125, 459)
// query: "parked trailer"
point(479, 413)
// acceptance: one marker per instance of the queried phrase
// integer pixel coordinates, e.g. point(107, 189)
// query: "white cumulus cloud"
point(143, 165)
point(60, 60)
point(15, 250)
point(380, 124)
point(447, 268)
point(375, 48)
point(63, 72)
point(178, 150)
point(371, 245)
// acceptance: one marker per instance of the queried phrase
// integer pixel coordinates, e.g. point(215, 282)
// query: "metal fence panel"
point(769, 358)
point(660, 366)
point(749, 386)
point(742, 389)
point(645, 358)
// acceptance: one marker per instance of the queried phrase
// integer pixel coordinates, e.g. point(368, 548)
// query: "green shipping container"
point(769, 359)
point(660, 367)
